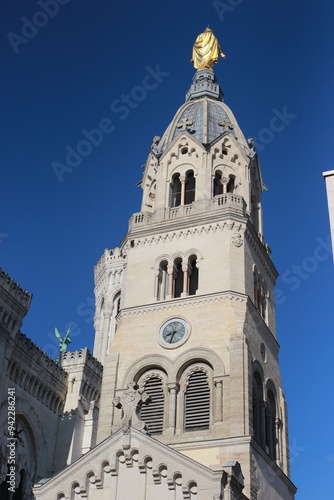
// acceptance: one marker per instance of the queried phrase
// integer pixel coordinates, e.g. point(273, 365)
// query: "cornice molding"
point(182, 303)
point(178, 229)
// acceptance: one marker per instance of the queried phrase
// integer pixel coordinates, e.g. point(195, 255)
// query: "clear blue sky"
point(63, 77)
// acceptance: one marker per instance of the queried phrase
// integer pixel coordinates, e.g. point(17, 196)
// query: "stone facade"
point(190, 402)
point(214, 230)
point(46, 402)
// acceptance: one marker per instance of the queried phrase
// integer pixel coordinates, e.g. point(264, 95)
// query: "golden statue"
point(206, 50)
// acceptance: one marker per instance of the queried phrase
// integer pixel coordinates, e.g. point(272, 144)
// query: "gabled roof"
point(119, 463)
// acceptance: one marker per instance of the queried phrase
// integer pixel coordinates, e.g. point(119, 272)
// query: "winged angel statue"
point(63, 342)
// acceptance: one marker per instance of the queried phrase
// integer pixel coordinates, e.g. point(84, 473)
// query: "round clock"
point(173, 333)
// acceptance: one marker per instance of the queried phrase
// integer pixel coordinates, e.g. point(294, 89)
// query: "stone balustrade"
point(141, 219)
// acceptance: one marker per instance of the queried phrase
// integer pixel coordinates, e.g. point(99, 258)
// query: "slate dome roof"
point(204, 115)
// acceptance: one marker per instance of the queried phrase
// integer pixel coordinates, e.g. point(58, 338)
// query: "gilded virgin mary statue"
point(206, 50)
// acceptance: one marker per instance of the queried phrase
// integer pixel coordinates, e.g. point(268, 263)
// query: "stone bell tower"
point(185, 306)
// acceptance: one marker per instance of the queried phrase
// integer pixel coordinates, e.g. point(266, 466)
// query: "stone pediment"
point(131, 464)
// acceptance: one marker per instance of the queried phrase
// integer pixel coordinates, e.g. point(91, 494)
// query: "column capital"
point(170, 269)
point(185, 266)
point(173, 386)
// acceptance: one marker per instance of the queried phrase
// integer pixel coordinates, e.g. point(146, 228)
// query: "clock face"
point(173, 332)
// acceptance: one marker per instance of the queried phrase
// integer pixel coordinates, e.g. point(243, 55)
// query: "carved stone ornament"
point(237, 240)
point(130, 403)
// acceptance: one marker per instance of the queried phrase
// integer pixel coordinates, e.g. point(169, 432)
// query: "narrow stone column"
point(107, 315)
point(264, 306)
point(278, 441)
point(186, 273)
point(157, 296)
point(271, 438)
point(263, 424)
point(261, 300)
point(218, 399)
point(183, 188)
point(172, 390)
point(170, 271)
point(164, 285)
point(255, 292)
point(224, 182)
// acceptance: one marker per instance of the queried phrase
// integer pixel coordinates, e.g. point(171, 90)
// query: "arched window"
point(255, 212)
point(75, 488)
point(197, 400)
point(5, 494)
point(162, 290)
point(19, 493)
point(222, 185)
point(263, 305)
point(260, 293)
point(112, 323)
point(256, 284)
point(175, 191)
point(151, 197)
point(258, 407)
point(117, 303)
point(152, 413)
point(116, 307)
point(183, 189)
point(193, 275)
point(271, 438)
point(190, 188)
point(230, 184)
point(217, 185)
point(178, 278)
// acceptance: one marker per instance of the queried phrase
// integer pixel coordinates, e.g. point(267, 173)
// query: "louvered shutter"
point(197, 402)
point(152, 413)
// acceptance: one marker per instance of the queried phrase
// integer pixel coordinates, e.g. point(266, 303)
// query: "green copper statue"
point(63, 342)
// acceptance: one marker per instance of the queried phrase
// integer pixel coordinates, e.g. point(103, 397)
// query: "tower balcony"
point(223, 202)
point(230, 199)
